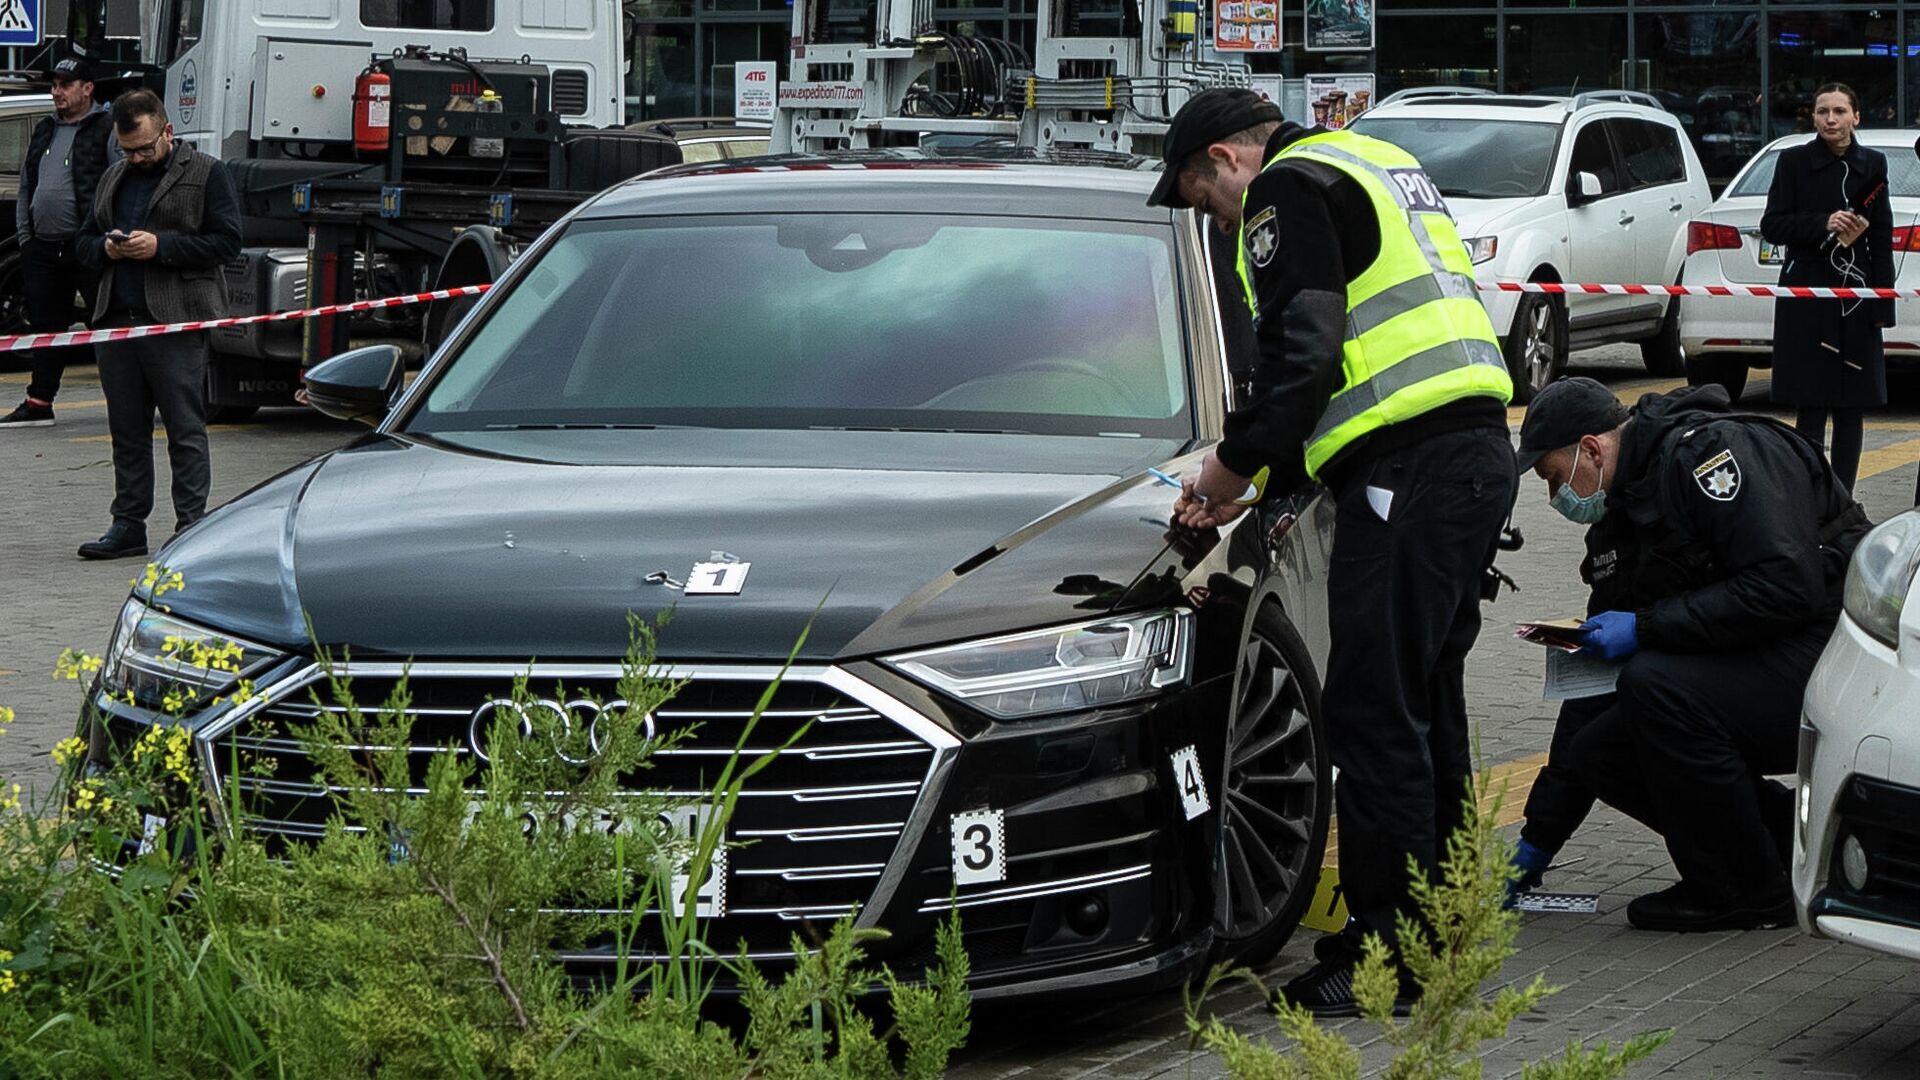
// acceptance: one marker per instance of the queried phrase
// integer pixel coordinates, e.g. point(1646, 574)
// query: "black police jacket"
point(1723, 529)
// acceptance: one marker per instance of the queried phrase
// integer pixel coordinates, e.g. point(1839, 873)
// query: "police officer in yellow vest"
point(1378, 375)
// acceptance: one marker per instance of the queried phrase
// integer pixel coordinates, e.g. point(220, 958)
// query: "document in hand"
point(1562, 634)
point(1571, 673)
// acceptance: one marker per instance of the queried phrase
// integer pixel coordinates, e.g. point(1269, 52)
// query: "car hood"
point(1484, 217)
point(498, 549)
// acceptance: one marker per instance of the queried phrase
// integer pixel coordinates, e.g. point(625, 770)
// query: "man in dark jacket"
point(163, 223)
point(1379, 374)
point(1723, 538)
point(66, 156)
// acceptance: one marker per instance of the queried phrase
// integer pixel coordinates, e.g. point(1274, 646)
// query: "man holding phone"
point(164, 221)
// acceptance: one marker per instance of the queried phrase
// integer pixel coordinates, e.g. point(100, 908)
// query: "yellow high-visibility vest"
point(1418, 336)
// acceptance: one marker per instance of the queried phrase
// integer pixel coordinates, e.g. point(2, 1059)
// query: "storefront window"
point(1429, 50)
point(1564, 54)
point(662, 83)
point(730, 43)
point(1705, 69)
point(1806, 49)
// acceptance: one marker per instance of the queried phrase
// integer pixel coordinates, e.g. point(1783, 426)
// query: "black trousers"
point(1412, 536)
point(1685, 749)
point(1560, 800)
point(167, 373)
point(50, 276)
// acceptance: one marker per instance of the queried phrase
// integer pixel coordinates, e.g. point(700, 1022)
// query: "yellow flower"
point(9, 980)
point(11, 802)
point(73, 663)
point(68, 749)
point(6, 715)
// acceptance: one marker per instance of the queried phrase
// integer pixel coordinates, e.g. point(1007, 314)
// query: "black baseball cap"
point(1563, 413)
point(70, 67)
point(1206, 118)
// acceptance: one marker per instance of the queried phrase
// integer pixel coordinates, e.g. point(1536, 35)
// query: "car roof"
point(1519, 108)
point(981, 180)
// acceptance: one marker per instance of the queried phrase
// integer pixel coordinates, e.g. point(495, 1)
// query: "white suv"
point(1593, 188)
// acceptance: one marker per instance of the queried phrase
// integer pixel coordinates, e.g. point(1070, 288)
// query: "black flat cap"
point(1206, 118)
point(75, 68)
point(1563, 413)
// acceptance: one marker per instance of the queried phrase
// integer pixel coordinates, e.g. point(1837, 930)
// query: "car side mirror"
point(357, 385)
point(1586, 188)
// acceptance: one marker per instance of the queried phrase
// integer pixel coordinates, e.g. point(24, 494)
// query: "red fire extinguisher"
point(372, 111)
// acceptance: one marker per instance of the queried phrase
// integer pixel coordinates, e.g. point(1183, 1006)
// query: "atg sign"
point(20, 22)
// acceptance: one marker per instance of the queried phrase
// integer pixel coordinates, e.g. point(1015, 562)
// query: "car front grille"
point(818, 829)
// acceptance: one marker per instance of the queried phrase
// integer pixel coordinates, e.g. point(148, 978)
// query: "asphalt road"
point(1764, 1004)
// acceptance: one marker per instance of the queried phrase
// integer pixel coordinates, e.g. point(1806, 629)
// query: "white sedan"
point(1856, 852)
point(1725, 336)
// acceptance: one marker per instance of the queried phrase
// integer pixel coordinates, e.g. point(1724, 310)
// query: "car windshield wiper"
point(919, 430)
point(589, 427)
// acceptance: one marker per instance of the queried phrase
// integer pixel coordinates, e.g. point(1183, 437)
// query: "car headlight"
point(155, 655)
point(1062, 668)
point(1880, 574)
point(1483, 248)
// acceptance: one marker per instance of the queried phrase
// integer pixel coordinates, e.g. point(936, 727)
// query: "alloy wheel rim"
point(1540, 347)
point(1267, 820)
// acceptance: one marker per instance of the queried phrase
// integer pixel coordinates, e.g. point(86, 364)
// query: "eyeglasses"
point(146, 150)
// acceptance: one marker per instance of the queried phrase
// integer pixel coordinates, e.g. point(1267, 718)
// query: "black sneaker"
point(1326, 990)
point(1679, 909)
point(27, 414)
point(120, 541)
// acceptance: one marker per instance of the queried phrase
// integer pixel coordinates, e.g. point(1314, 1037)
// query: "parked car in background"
point(1098, 736)
point(710, 138)
point(18, 113)
point(1725, 337)
point(1592, 188)
point(1856, 864)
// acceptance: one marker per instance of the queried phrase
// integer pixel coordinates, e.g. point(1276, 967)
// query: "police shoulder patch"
point(1263, 237)
point(1719, 477)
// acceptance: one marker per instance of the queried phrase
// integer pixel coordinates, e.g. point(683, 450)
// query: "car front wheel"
point(1536, 346)
point(1277, 797)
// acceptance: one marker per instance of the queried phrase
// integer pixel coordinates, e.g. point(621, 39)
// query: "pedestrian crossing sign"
point(20, 22)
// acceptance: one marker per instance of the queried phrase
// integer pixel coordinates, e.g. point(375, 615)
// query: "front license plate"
point(1771, 254)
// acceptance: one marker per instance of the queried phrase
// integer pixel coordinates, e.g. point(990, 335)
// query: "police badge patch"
point(1719, 477)
point(1263, 237)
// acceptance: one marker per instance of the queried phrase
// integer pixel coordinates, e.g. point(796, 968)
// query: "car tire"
point(13, 307)
point(1664, 353)
point(1536, 345)
point(1276, 796)
point(1729, 370)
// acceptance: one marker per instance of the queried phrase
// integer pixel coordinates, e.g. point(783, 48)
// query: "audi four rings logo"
point(563, 718)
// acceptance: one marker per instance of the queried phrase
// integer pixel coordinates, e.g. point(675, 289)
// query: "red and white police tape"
point(16, 342)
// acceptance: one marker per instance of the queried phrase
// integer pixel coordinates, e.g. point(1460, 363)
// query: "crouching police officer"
point(1378, 373)
point(1724, 537)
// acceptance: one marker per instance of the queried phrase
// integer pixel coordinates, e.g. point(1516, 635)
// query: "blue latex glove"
point(1532, 865)
point(1614, 635)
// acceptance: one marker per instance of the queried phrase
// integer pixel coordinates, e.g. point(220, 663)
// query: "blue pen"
point(1163, 478)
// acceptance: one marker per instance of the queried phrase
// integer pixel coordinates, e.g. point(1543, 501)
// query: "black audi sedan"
point(913, 403)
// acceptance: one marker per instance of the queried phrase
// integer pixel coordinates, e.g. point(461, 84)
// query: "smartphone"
point(119, 237)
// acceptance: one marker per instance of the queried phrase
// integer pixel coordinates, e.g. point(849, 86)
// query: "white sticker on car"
point(150, 827)
point(979, 853)
point(1188, 780)
point(717, 578)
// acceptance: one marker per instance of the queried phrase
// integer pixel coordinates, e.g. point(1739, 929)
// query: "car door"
point(1599, 229)
point(1656, 198)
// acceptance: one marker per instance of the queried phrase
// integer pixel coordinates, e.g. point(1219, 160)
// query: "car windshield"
point(878, 321)
point(1473, 159)
point(1903, 174)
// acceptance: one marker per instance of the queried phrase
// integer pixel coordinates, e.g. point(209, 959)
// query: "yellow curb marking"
point(1889, 457)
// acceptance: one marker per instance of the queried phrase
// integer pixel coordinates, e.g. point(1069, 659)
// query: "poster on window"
point(1247, 26)
point(1334, 25)
point(1334, 101)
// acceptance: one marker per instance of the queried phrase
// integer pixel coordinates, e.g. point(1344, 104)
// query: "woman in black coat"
point(1829, 208)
